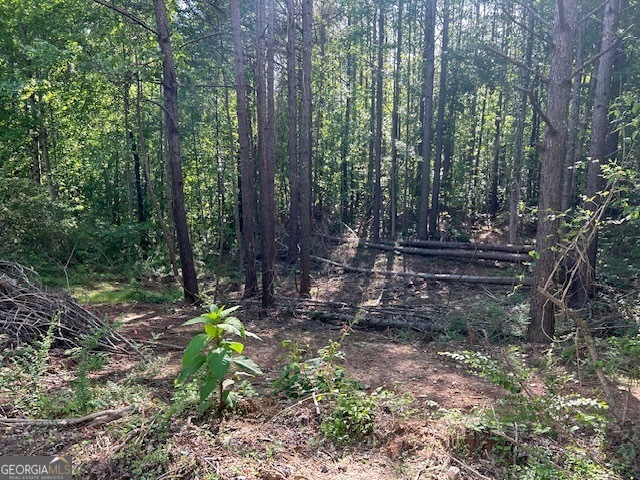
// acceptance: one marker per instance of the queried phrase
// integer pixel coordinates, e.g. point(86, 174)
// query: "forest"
point(321, 239)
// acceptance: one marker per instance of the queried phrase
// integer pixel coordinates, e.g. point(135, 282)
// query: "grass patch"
point(113, 293)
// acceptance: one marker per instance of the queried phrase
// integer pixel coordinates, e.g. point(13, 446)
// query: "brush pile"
point(27, 312)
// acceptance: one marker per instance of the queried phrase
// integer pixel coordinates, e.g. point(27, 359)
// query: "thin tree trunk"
point(266, 126)
point(305, 150)
point(395, 125)
point(292, 99)
point(427, 121)
point(518, 149)
point(598, 152)
point(377, 189)
point(246, 164)
point(568, 180)
point(493, 196)
point(442, 94)
point(170, 88)
point(541, 328)
point(168, 239)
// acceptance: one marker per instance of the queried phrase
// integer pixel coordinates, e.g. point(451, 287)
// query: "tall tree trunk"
point(170, 89)
point(568, 180)
point(395, 125)
point(440, 125)
point(246, 163)
point(493, 195)
point(518, 149)
point(305, 150)
point(168, 239)
point(292, 99)
point(598, 153)
point(541, 328)
point(267, 147)
point(427, 120)
point(377, 189)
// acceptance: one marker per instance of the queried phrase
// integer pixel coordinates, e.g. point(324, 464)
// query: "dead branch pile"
point(27, 312)
point(425, 319)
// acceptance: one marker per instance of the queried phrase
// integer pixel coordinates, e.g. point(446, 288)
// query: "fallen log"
point(440, 277)
point(485, 247)
point(491, 247)
point(457, 253)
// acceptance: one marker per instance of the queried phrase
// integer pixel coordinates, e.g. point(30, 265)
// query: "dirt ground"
point(275, 438)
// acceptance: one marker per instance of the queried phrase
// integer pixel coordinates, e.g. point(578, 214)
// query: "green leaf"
point(247, 365)
point(252, 335)
point(197, 343)
point(230, 399)
point(213, 331)
point(204, 406)
point(235, 346)
point(193, 321)
point(191, 368)
point(236, 323)
point(214, 318)
point(225, 312)
point(219, 361)
point(231, 329)
point(207, 387)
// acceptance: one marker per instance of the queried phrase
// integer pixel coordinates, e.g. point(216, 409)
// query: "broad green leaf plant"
point(209, 356)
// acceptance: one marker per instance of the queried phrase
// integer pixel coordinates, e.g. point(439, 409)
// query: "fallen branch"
point(97, 418)
point(440, 277)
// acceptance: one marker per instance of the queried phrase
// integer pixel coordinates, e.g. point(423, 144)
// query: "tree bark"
point(541, 328)
point(395, 125)
point(168, 239)
point(427, 121)
point(598, 153)
point(267, 145)
point(305, 151)
point(292, 99)
point(568, 179)
point(518, 149)
point(434, 213)
point(377, 188)
point(495, 164)
point(246, 163)
point(170, 90)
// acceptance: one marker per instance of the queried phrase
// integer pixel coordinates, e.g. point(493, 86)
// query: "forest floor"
point(427, 419)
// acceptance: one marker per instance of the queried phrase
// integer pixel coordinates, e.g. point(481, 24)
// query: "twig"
point(467, 467)
point(128, 15)
point(96, 418)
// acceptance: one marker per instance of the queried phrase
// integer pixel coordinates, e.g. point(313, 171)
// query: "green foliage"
point(320, 374)
point(492, 370)
point(87, 359)
point(352, 419)
point(624, 356)
point(23, 234)
point(351, 410)
point(209, 356)
point(530, 417)
point(26, 378)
